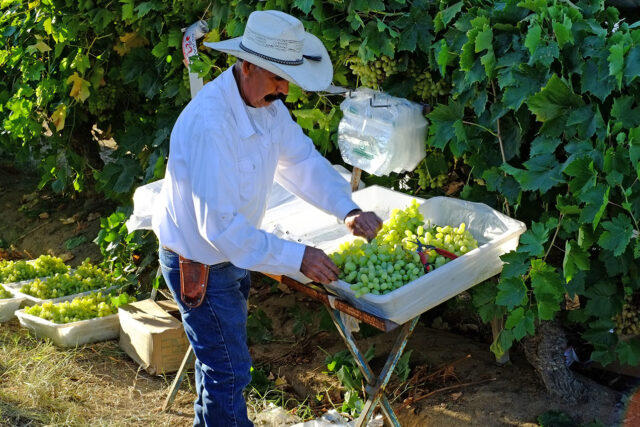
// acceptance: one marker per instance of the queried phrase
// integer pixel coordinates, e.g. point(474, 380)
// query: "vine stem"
point(499, 136)
point(626, 199)
point(481, 127)
point(553, 240)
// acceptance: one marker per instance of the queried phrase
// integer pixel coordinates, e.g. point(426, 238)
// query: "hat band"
point(271, 58)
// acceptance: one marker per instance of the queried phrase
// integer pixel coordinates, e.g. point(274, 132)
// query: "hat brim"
point(310, 75)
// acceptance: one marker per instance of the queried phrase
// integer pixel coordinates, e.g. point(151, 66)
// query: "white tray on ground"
point(29, 300)
point(75, 333)
point(495, 232)
point(8, 306)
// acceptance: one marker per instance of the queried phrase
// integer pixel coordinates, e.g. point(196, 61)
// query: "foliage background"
point(535, 113)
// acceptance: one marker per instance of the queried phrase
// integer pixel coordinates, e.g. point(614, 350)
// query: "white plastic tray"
point(8, 306)
point(75, 333)
point(496, 234)
point(29, 300)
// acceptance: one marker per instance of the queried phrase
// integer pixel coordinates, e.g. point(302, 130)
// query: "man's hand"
point(317, 266)
point(363, 224)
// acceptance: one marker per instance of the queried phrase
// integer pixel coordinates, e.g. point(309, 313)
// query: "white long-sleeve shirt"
point(223, 159)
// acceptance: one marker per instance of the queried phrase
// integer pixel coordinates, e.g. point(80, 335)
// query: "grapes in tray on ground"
point(86, 277)
point(390, 260)
point(4, 294)
point(80, 308)
point(43, 266)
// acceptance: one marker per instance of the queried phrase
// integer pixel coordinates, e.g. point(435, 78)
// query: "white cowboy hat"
point(278, 43)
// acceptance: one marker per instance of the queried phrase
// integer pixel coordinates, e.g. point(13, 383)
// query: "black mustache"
point(272, 97)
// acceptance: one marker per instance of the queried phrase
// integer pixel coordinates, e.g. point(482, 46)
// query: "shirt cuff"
point(292, 254)
point(344, 207)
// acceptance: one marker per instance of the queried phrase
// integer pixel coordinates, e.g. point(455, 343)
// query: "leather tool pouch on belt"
point(193, 282)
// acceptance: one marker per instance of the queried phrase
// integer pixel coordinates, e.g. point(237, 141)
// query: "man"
point(227, 146)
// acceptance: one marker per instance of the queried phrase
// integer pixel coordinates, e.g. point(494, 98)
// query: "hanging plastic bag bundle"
point(380, 133)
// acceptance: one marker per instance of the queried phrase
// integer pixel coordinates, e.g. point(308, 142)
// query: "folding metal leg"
point(187, 361)
point(376, 386)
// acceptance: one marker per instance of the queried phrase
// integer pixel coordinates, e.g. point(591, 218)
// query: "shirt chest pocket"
point(248, 176)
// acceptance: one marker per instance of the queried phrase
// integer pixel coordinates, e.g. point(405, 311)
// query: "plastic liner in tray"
point(72, 334)
point(495, 232)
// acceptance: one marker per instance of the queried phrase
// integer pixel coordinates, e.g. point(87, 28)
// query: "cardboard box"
point(152, 336)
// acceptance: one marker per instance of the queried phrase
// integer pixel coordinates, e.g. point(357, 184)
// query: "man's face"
point(260, 87)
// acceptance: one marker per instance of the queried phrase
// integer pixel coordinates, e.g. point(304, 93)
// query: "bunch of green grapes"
point(104, 98)
point(426, 180)
point(43, 266)
point(4, 294)
point(373, 72)
point(425, 87)
point(457, 240)
point(628, 321)
point(382, 265)
point(376, 269)
point(80, 308)
point(86, 277)
point(402, 221)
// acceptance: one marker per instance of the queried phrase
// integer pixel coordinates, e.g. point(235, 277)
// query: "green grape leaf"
point(484, 40)
point(586, 121)
point(443, 56)
point(502, 343)
point(547, 286)
point(586, 236)
point(543, 145)
point(521, 323)
point(554, 100)
point(515, 264)
point(629, 352)
point(583, 175)
point(603, 355)
point(488, 60)
point(512, 292)
point(533, 5)
point(127, 9)
point(575, 259)
point(543, 172)
point(623, 111)
point(567, 205)
point(449, 13)
point(595, 78)
point(533, 240)
point(618, 234)
point(545, 54)
point(443, 119)
point(75, 242)
point(563, 31)
point(145, 7)
point(616, 62)
point(303, 5)
point(632, 65)
point(408, 39)
point(533, 38)
point(596, 200)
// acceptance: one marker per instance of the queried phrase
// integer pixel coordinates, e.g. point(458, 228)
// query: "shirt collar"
point(245, 127)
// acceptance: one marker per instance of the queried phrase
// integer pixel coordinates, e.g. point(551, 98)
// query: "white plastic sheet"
point(496, 234)
point(75, 333)
point(144, 199)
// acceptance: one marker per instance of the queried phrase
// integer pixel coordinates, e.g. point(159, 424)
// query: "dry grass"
point(92, 385)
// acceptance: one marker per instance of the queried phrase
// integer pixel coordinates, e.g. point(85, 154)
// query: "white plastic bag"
point(380, 133)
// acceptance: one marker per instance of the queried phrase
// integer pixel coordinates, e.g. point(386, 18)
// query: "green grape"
point(43, 266)
point(425, 87)
point(4, 294)
point(80, 308)
point(628, 321)
point(86, 277)
point(374, 72)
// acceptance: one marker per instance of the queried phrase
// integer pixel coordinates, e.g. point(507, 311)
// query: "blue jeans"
point(217, 331)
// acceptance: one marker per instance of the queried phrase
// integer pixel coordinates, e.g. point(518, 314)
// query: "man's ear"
point(247, 68)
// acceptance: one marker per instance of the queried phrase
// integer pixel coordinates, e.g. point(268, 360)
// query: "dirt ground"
point(454, 379)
